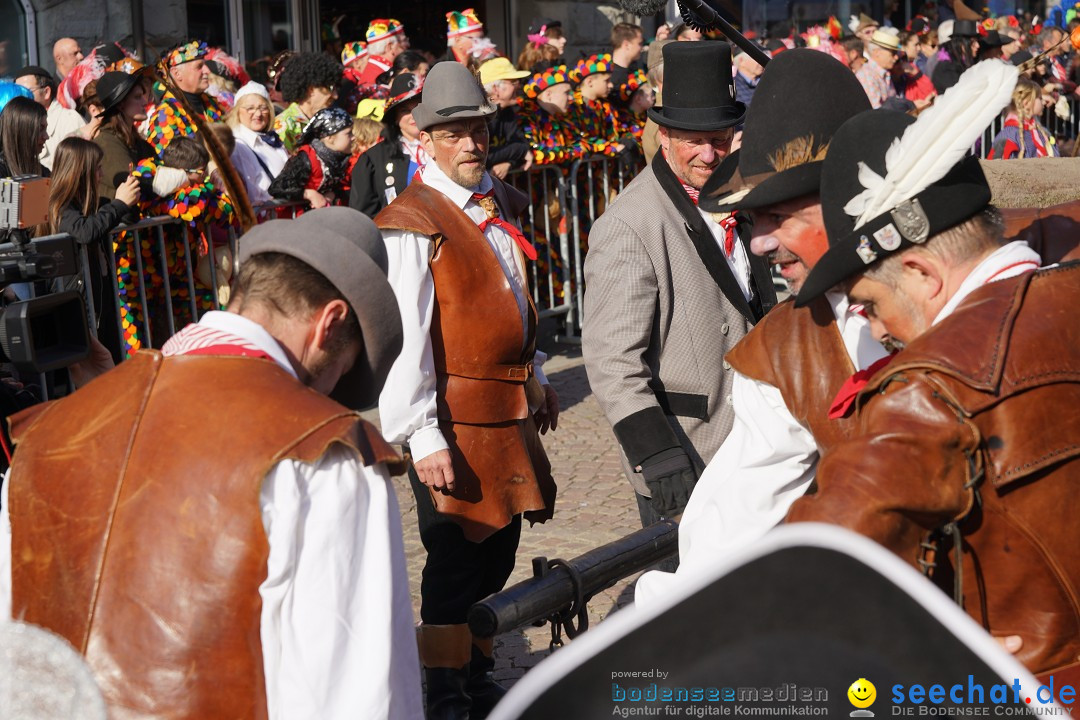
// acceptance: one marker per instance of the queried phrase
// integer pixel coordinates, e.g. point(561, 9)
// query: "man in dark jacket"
point(509, 149)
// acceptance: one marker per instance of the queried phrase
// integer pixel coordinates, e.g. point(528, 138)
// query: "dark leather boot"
point(444, 652)
point(482, 688)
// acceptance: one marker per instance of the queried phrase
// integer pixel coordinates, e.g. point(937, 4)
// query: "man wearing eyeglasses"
point(60, 121)
point(467, 394)
point(883, 49)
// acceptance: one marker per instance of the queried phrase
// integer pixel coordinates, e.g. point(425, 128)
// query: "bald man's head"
point(66, 54)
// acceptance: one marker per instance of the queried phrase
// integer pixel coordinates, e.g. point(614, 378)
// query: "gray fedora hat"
point(451, 93)
point(346, 247)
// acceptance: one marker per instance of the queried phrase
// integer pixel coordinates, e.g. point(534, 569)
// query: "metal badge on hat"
point(865, 250)
point(888, 238)
point(912, 221)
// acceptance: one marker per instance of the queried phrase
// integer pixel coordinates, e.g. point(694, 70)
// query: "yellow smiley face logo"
point(862, 693)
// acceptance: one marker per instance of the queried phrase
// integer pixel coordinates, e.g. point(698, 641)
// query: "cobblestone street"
point(595, 506)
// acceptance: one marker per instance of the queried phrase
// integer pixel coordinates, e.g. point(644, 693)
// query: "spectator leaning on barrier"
point(260, 154)
point(318, 171)
point(591, 114)
point(124, 106)
point(386, 169)
point(669, 290)
point(552, 139)
point(309, 83)
point(294, 504)
point(61, 121)
point(508, 148)
point(187, 69)
point(1023, 136)
point(459, 272)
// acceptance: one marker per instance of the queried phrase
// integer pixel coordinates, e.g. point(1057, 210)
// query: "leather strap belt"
point(506, 373)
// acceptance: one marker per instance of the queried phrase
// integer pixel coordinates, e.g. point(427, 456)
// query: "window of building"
point(14, 48)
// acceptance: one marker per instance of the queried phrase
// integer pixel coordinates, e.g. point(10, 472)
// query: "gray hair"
point(970, 239)
point(380, 46)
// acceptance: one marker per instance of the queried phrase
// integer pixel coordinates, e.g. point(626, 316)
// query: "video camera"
point(42, 333)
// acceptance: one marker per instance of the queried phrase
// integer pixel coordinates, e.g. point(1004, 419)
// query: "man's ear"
point(330, 322)
point(922, 276)
point(427, 142)
point(665, 138)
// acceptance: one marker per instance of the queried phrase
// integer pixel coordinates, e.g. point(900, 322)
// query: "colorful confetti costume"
point(289, 126)
point(552, 139)
point(628, 121)
point(594, 119)
point(169, 120)
point(202, 207)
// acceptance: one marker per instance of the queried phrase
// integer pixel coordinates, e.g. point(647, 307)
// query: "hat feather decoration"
point(937, 141)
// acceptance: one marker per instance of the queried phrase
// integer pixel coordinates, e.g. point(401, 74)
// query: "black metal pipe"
point(551, 590)
point(138, 30)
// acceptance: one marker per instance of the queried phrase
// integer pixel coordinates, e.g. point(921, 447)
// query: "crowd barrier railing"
point(1062, 129)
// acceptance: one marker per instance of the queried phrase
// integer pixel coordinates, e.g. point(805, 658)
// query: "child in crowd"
point(548, 95)
point(637, 97)
point(318, 171)
point(591, 114)
point(1023, 136)
point(74, 209)
point(181, 189)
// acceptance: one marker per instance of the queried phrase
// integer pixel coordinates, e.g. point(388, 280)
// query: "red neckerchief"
point(508, 228)
point(1030, 126)
point(845, 399)
point(728, 224)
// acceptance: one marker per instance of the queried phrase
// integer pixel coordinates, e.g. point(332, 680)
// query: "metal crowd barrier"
point(1062, 129)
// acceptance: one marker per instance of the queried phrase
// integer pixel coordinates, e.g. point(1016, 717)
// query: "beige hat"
point(866, 21)
point(885, 40)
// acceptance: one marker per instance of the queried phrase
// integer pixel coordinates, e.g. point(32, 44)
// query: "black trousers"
point(458, 572)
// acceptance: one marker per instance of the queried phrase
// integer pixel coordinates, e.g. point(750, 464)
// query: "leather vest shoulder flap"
point(136, 528)
point(799, 351)
point(481, 358)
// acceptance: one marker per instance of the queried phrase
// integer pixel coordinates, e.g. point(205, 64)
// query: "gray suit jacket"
point(662, 308)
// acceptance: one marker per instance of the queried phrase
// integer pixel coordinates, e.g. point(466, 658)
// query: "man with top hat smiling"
point(965, 461)
point(189, 73)
point(670, 289)
point(466, 395)
point(790, 367)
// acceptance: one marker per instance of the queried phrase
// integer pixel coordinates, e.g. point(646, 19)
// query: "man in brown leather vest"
point(965, 461)
point(217, 536)
point(464, 392)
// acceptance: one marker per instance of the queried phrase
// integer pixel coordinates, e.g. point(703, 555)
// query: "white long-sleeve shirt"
point(769, 460)
point(765, 464)
point(337, 632)
point(407, 406)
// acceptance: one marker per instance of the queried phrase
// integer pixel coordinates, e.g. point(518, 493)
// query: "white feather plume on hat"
point(937, 141)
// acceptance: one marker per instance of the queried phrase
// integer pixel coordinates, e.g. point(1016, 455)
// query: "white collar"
point(251, 331)
point(1010, 260)
point(433, 176)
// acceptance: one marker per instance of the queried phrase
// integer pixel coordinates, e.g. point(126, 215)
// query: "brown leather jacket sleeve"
point(902, 475)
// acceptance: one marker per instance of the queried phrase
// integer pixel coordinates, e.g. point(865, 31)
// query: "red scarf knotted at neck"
point(510, 229)
point(728, 224)
point(1031, 126)
point(845, 399)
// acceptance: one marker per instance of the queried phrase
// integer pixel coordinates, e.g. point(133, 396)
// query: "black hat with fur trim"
point(865, 140)
point(803, 97)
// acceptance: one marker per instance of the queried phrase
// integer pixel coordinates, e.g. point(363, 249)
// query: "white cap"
point(252, 88)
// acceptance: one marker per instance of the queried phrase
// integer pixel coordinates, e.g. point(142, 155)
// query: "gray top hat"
point(346, 247)
point(451, 93)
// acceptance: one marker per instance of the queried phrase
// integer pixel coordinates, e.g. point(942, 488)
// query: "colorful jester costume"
point(552, 139)
point(594, 119)
point(289, 126)
point(203, 209)
point(169, 119)
point(628, 121)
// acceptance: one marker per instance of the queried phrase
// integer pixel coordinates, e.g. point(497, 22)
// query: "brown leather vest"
point(1007, 362)
point(1052, 232)
point(799, 351)
point(483, 366)
point(136, 528)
